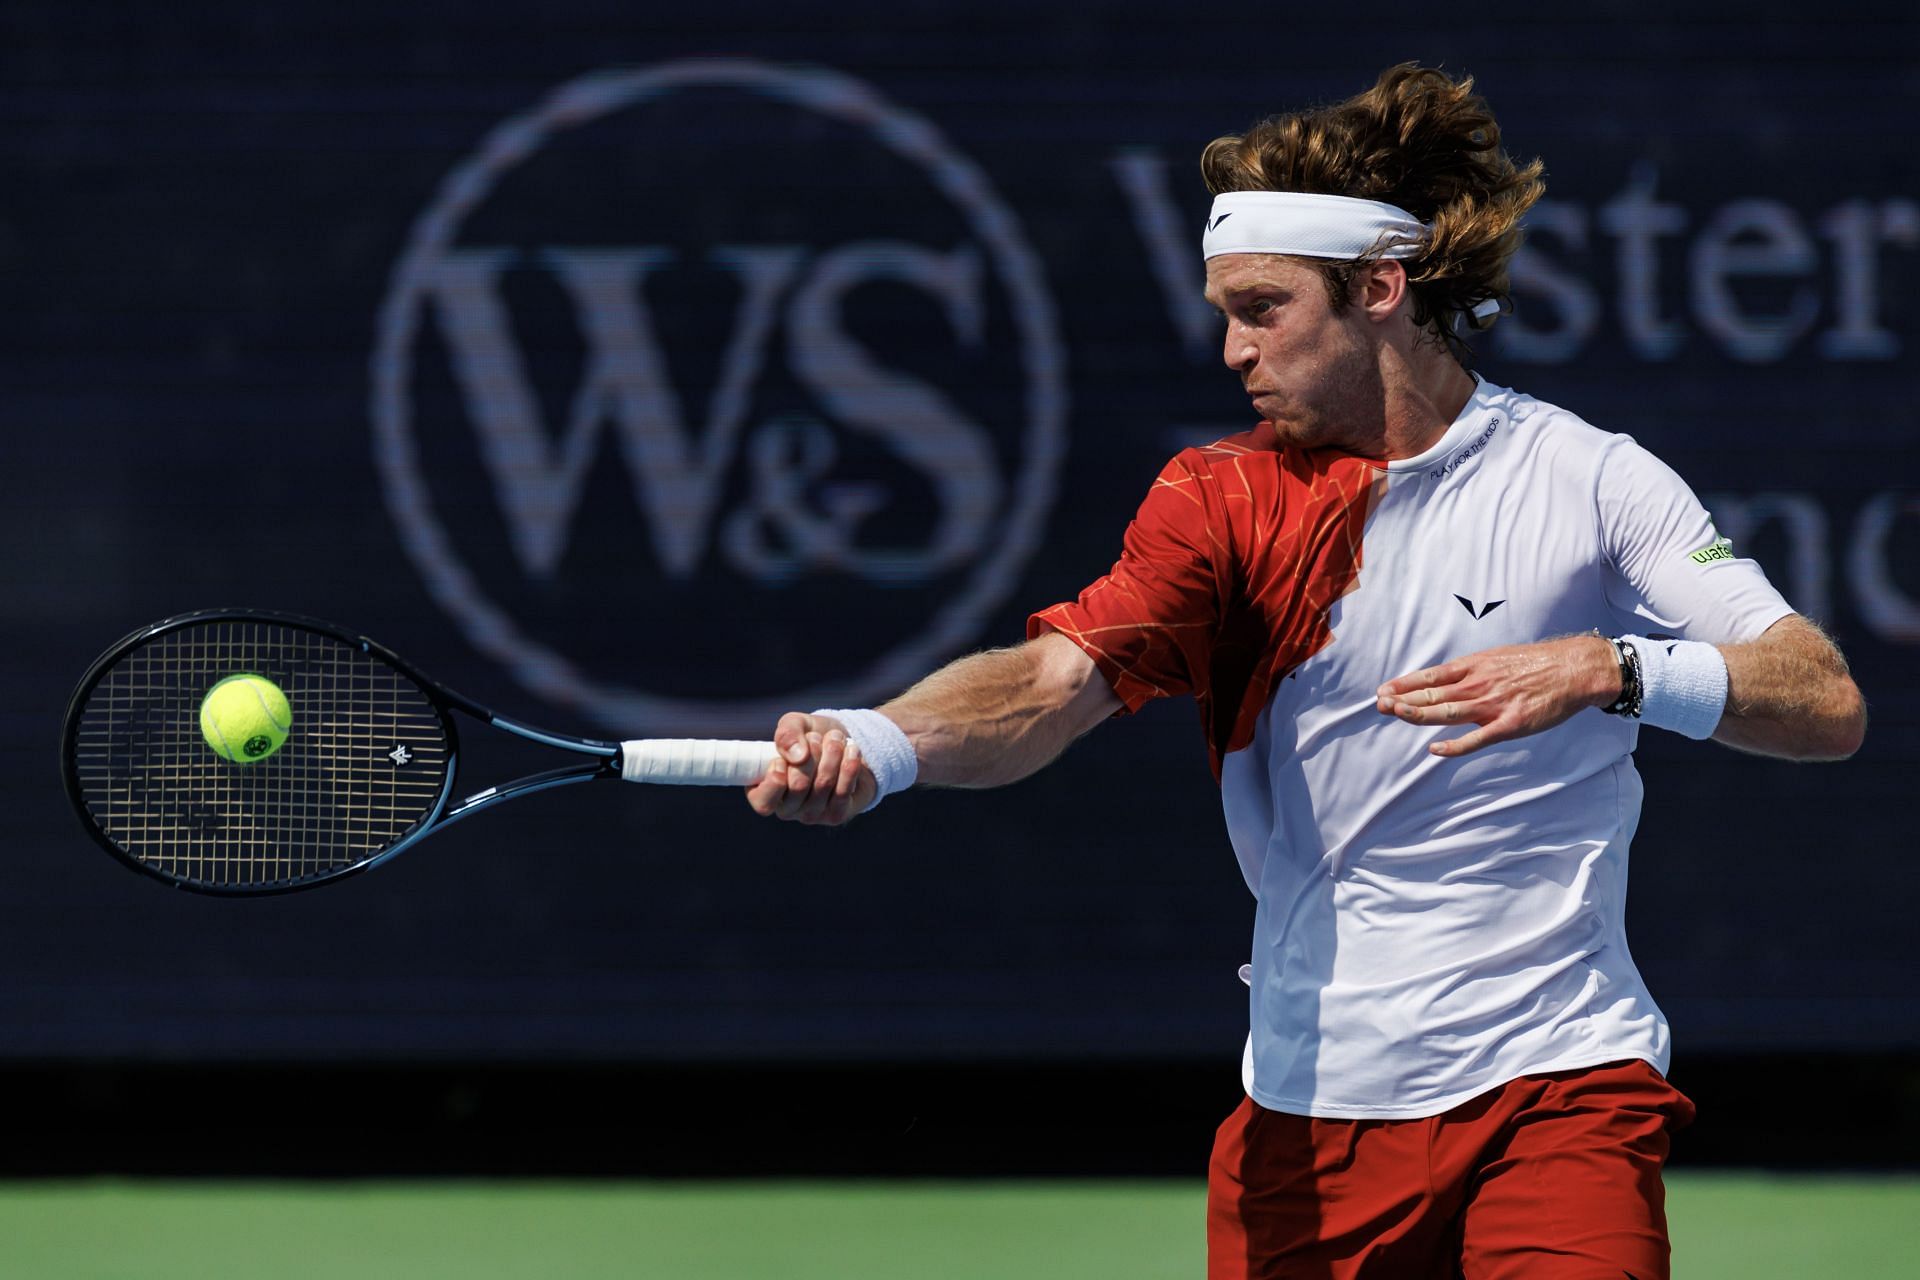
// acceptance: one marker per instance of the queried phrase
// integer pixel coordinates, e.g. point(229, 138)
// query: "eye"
point(1259, 307)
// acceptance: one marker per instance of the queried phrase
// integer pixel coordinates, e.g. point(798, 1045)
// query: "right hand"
point(819, 779)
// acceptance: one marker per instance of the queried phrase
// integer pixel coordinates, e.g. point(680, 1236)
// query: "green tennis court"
point(1746, 1226)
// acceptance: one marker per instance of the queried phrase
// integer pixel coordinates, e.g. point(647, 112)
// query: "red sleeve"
point(1225, 580)
point(1150, 623)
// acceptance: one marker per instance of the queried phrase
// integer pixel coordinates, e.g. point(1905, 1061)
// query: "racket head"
point(366, 769)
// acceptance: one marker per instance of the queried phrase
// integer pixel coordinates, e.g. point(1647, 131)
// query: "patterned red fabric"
point(1224, 579)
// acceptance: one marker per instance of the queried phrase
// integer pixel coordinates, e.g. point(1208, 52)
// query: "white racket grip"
point(695, 762)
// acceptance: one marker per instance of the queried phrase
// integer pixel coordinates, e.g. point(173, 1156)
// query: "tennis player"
point(1426, 619)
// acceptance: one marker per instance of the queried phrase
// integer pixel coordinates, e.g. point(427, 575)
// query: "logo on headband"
point(713, 389)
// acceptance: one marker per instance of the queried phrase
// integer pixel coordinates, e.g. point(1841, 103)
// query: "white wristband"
point(883, 746)
point(1683, 685)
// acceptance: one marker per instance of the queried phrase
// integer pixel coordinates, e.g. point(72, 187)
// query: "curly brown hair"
point(1420, 140)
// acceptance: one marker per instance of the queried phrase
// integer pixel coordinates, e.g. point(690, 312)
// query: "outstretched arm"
point(982, 721)
point(1788, 693)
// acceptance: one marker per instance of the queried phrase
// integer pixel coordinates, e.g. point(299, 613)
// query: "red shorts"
point(1550, 1177)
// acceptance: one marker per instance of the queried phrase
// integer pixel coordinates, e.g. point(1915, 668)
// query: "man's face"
point(1310, 370)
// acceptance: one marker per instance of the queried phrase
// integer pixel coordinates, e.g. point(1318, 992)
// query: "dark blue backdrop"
point(642, 373)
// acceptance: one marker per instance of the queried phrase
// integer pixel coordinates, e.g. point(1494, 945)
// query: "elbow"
point(1842, 724)
point(1850, 724)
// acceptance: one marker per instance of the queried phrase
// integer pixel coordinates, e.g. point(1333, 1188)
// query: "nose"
point(1239, 352)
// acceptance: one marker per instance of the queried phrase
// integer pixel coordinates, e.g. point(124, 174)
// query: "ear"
point(1381, 288)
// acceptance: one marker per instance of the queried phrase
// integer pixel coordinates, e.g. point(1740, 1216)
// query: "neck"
point(1425, 391)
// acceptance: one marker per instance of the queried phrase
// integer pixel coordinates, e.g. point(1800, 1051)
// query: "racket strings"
point(366, 761)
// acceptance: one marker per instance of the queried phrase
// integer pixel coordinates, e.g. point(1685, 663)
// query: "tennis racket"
point(367, 769)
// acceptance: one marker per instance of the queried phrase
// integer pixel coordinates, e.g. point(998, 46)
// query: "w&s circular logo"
point(714, 389)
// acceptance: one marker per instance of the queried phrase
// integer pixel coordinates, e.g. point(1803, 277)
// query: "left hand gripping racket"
point(367, 768)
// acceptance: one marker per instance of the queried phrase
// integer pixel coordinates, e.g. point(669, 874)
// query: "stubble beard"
point(1347, 412)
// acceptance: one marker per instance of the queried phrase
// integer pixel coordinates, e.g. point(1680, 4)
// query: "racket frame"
point(443, 700)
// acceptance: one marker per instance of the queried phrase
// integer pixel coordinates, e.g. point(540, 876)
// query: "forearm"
point(996, 717)
point(1789, 694)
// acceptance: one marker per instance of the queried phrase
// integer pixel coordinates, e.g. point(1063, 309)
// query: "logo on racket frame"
point(713, 389)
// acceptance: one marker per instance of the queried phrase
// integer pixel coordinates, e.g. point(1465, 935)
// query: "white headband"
point(1316, 226)
point(1311, 226)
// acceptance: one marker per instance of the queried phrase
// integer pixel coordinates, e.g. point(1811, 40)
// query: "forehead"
point(1232, 273)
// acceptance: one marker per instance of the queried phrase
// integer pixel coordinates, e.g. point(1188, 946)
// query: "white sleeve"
point(1672, 573)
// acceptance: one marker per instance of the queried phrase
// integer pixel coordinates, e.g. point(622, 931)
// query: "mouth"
point(1268, 404)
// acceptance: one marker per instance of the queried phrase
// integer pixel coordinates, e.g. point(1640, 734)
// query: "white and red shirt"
point(1427, 928)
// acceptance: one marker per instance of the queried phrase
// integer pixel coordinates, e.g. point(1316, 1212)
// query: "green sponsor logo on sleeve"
point(1718, 549)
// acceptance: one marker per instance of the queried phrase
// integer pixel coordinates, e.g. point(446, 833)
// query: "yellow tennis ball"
point(245, 718)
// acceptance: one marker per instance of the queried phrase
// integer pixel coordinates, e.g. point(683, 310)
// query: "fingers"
point(847, 797)
point(773, 796)
point(790, 736)
point(842, 787)
point(783, 789)
point(1445, 705)
point(764, 796)
point(819, 779)
point(1471, 741)
point(1444, 674)
point(827, 751)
